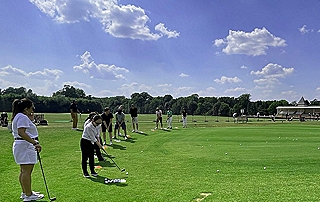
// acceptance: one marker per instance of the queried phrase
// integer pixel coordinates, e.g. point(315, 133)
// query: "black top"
point(106, 118)
point(74, 107)
point(134, 112)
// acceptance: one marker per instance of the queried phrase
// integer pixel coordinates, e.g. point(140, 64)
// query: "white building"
point(301, 110)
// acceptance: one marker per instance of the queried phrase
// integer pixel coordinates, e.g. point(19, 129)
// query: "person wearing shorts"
point(25, 146)
point(107, 125)
point(134, 118)
point(120, 122)
point(159, 117)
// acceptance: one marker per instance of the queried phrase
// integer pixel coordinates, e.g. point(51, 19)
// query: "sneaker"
point(125, 138)
point(133, 131)
point(23, 195)
point(110, 142)
point(104, 143)
point(86, 175)
point(136, 131)
point(33, 197)
point(94, 174)
point(116, 140)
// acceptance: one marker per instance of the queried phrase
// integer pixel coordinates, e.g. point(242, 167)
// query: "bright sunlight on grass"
point(211, 160)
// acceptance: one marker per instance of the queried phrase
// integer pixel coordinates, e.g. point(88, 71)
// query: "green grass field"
point(209, 161)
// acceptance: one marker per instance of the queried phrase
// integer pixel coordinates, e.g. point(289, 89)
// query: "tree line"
point(60, 101)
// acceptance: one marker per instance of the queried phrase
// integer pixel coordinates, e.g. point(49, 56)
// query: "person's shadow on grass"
point(117, 146)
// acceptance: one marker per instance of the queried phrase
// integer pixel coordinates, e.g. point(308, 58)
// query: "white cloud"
point(171, 34)
point(225, 79)
point(122, 21)
point(267, 81)
point(273, 71)
point(183, 75)
point(249, 43)
point(244, 67)
point(45, 74)
point(303, 30)
point(76, 84)
point(237, 89)
point(165, 85)
point(100, 71)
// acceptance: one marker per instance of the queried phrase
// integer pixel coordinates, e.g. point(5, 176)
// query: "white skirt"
point(24, 152)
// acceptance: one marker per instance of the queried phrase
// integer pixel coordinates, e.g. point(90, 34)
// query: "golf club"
point(122, 170)
point(44, 178)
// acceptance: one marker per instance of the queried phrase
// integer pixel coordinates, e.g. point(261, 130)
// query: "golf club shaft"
point(112, 160)
point(44, 178)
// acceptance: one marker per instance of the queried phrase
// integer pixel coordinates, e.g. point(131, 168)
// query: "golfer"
point(97, 135)
point(184, 118)
point(120, 122)
point(134, 118)
point(169, 118)
point(107, 125)
point(25, 146)
point(159, 117)
point(74, 114)
point(87, 145)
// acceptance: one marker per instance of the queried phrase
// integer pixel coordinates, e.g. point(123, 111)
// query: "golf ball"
point(218, 170)
point(127, 173)
point(264, 168)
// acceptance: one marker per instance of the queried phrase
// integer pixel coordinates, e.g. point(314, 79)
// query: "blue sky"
point(269, 49)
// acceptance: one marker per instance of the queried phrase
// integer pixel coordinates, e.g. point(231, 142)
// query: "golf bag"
point(4, 119)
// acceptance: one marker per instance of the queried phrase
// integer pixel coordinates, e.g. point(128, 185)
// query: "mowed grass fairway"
point(209, 160)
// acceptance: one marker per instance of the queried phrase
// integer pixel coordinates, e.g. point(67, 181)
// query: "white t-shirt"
point(22, 121)
point(90, 132)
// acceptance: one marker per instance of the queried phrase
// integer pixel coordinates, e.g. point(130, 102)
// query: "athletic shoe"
point(116, 140)
point(94, 174)
point(33, 197)
point(125, 138)
point(104, 143)
point(23, 195)
point(86, 175)
point(110, 142)
point(133, 131)
point(136, 131)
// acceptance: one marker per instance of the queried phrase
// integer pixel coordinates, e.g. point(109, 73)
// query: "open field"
point(209, 160)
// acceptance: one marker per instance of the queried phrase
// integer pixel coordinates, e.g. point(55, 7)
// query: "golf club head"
point(53, 199)
point(122, 170)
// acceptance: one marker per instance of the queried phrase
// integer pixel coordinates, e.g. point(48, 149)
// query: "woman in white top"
point(87, 145)
point(25, 146)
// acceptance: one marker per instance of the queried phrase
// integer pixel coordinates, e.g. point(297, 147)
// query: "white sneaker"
point(23, 195)
point(133, 131)
point(136, 131)
point(110, 142)
point(33, 197)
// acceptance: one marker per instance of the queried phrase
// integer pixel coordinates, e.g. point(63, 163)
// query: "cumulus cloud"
point(183, 75)
point(303, 30)
point(225, 79)
point(244, 67)
point(45, 74)
point(122, 21)
point(76, 84)
point(249, 43)
point(99, 71)
point(273, 71)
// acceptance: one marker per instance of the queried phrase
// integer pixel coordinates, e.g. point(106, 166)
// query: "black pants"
point(98, 152)
point(87, 150)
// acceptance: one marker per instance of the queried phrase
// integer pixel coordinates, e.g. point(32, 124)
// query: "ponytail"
point(19, 105)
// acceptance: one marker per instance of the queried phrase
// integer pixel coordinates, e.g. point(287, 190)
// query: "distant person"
point(107, 125)
point(87, 145)
point(25, 145)
point(134, 118)
point(159, 117)
point(74, 114)
point(169, 118)
point(234, 115)
point(184, 118)
point(120, 122)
